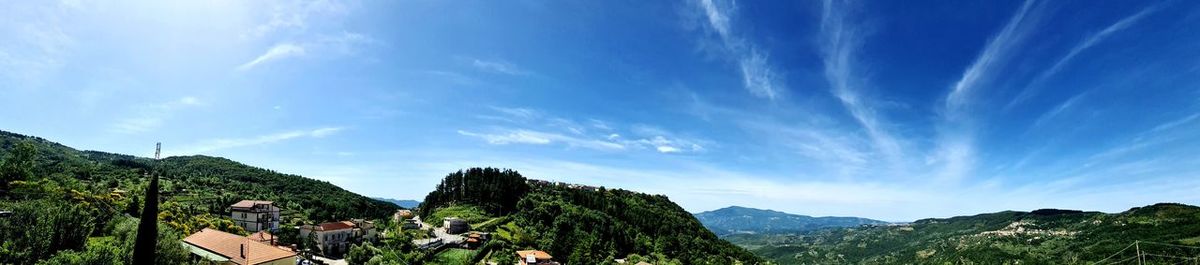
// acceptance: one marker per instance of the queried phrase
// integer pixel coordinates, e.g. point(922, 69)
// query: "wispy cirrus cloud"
point(343, 44)
point(498, 66)
point(228, 143)
point(151, 116)
point(35, 44)
point(544, 129)
point(995, 55)
point(287, 16)
point(277, 52)
point(758, 75)
point(524, 136)
point(1088, 42)
point(839, 42)
point(955, 148)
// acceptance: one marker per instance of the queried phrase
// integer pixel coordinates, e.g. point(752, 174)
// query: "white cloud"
point(343, 44)
point(498, 66)
point(292, 16)
point(994, 56)
point(277, 52)
point(522, 136)
point(228, 143)
point(1088, 42)
point(520, 113)
point(839, 41)
point(758, 76)
point(149, 117)
point(327, 131)
point(954, 152)
point(1056, 111)
point(34, 43)
point(549, 129)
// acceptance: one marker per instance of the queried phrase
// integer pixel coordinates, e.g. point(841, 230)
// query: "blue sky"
point(888, 110)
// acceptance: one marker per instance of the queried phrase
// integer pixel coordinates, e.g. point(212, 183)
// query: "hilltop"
point(1047, 236)
point(742, 220)
point(580, 224)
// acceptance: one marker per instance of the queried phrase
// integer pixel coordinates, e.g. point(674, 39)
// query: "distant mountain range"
point(742, 220)
point(1165, 233)
point(407, 204)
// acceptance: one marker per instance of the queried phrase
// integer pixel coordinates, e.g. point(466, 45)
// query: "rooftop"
point(537, 254)
point(336, 225)
point(261, 236)
point(237, 249)
point(249, 203)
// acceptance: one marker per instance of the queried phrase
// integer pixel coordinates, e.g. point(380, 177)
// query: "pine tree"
point(147, 236)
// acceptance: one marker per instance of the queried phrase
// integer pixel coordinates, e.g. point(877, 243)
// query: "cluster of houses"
point(335, 238)
point(331, 239)
point(262, 247)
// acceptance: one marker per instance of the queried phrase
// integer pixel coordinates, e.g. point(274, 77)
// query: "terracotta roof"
point(537, 254)
point(249, 203)
point(336, 226)
point(261, 236)
point(233, 247)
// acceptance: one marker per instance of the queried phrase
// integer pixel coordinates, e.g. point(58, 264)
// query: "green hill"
point(582, 224)
point(1046, 236)
point(72, 203)
point(741, 220)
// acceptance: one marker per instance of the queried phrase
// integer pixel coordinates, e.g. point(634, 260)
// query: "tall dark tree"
point(147, 236)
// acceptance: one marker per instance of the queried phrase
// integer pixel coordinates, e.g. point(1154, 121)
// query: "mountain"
point(736, 220)
point(577, 224)
point(1049, 236)
point(406, 204)
point(62, 198)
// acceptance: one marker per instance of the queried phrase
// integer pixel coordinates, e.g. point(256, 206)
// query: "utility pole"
point(1137, 247)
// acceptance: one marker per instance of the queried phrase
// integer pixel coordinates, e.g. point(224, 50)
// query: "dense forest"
point(77, 207)
point(1165, 234)
point(493, 190)
point(580, 224)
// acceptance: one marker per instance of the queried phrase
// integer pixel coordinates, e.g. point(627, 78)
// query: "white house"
point(255, 216)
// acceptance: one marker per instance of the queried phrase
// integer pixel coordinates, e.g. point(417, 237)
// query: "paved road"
point(438, 233)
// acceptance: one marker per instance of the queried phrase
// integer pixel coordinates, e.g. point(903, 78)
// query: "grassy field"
point(470, 213)
point(453, 256)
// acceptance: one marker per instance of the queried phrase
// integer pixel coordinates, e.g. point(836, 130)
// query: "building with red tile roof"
point(535, 257)
point(229, 248)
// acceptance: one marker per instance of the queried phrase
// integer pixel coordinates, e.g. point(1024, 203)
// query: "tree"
point(19, 164)
point(147, 236)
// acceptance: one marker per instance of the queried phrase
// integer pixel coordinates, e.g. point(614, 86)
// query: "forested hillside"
point(741, 220)
point(1011, 237)
point(73, 207)
point(584, 225)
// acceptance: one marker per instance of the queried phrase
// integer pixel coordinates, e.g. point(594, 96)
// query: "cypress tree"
point(147, 235)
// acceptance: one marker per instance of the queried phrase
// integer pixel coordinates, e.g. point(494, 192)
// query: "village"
point(332, 239)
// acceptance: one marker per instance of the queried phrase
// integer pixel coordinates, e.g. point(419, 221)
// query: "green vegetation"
point(453, 257)
point(1038, 237)
point(469, 213)
point(580, 225)
point(76, 207)
point(494, 191)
